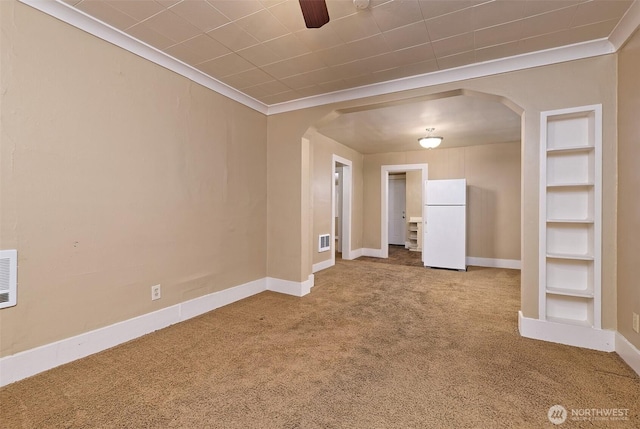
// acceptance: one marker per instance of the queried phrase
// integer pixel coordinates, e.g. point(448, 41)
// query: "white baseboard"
point(572, 335)
point(374, 253)
point(354, 254)
point(289, 287)
point(494, 263)
point(322, 265)
point(628, 352)
point(31, 362)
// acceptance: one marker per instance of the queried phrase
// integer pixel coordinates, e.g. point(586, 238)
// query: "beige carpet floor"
point(373, 346)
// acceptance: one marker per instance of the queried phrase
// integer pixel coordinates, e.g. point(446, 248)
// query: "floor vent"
point(8, 269)
point(324, 243)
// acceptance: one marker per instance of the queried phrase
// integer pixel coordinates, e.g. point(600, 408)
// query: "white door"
point(397, 205)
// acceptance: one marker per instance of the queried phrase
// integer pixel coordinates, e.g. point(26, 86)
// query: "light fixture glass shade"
point(429, 142)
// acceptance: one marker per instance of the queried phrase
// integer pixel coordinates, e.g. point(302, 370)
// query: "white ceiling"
point(462, 121)
point(259, 52)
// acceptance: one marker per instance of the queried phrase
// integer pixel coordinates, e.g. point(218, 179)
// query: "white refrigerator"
point(445, 230)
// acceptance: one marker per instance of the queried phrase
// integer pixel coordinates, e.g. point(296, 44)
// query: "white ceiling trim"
point(471, 71)
point(79, 19)
point(626, 27)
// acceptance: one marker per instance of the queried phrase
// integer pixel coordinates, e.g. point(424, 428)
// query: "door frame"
point(347, 202)
point(384, 200)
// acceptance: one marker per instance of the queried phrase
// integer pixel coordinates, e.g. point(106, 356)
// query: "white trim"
point(347, 205)
point(628, 352)
point(384, 200)
point(289, 287)
point(373, 253)
point(91, 25)
point(30, 362)
point(626, 27)
point(357, 253)
point(323, 265)
point(489, 68)
point(572, 335)
point(513, 264)
point(77, 18)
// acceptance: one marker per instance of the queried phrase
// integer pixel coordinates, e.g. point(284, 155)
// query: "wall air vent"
point(324, 242)
point(8, 277)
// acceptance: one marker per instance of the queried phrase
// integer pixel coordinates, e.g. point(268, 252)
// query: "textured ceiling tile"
point(319, 38)
point(396, 14)
point(262, 26)
point(380, 62)
point(355, 27)
point(208, 47)
point(498, 35)
point(309, 91)
point(172, 26)
point(450, 25)
point(497, 51)
point(226, 65)
point(454, 45)
point(233, 37)
point(107, 14)
point(415, 54)
point(596, 11)
point(247, 78)
point(420, 68)
point(497, 12)
point(150, 36)
point(338, 54)
point(289, 14)
point(236, 9)
point(407, 36)
point(168, 3)
point(282, 69)
point(259, 55)
point(137, 9)
point(280, 98)
point(201, 14)
point(550, 22)
point(536, 7)
point(287, 46)
point(435, 8)
point(340, 8)
point(456, 60)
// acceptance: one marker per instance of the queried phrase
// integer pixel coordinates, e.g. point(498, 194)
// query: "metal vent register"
point(8, 269)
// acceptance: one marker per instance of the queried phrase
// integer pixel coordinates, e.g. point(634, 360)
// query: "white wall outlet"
point(636, 322)
point(155, 292)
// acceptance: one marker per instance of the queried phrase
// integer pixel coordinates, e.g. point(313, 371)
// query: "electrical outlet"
point(636, 322)
point(155, 292)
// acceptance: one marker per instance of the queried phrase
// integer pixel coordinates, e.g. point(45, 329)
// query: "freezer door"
point(447, 192)
point(444, 241)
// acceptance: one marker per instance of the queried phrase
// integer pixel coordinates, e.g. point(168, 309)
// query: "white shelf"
point(573, 256)
point(570, 216)
point(572, 149)
point(570, 292)
point(414, 229)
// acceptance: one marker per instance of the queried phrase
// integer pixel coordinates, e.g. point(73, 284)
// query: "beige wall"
point(413, 194)
point(570, 84)
point(628, 186)
point(493, 185)
point(117, 175)
point(323, 149)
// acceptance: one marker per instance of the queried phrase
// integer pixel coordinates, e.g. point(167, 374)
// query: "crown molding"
point(517, 62)
point(87, 23)
point(79, 19)
point(629, 23)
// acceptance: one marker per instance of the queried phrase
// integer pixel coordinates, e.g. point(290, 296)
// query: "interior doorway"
point(396, 209)
point(341, 206)
point(386, 172)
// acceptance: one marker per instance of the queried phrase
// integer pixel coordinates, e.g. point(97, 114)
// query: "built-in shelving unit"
point(570, 216)
point(414, 232)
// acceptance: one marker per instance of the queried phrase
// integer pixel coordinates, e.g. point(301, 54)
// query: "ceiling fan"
point(316, 14)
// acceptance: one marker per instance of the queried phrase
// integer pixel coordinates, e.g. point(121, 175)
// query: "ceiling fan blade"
point(315, 13)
